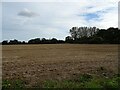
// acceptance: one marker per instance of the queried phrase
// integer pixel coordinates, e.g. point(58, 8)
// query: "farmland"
point(35, 64)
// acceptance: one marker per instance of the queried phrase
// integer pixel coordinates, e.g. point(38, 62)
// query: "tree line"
point(78, 35)
point(93, 35)
point(33, 41)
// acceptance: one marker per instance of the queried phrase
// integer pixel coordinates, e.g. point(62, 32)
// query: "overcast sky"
point(26, 20)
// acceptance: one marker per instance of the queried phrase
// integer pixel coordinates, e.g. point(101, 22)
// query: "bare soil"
point(37, 63)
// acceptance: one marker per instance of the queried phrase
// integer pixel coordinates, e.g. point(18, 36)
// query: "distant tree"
point(43, 41)
point(94, 35)
point(96, 40)
point(69, 39)
point(74, 32)
point(54, 40)
point(37, 40)
point(5, 42)
point(23, 42)
point(60, 41)
point(79, 32)
point(110, 35)
point(92, 31)
point(34, 41)
point(14, 41)
point(82, 34)
point(31, 41)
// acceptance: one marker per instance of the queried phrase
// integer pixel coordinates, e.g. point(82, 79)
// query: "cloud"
point(58, 0)
point(56, 18)
point(27, 13)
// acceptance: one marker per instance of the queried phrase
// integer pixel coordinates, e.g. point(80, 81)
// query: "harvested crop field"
point(36, 63)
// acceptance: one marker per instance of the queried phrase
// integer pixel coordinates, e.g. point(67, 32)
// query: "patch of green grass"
point(92, 82)
point(75, 83)
point(63, 84)
point(13, 84)
point(111, 83)
point(85, 81)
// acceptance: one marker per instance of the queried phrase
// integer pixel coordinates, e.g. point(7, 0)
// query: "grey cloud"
point(27, 13)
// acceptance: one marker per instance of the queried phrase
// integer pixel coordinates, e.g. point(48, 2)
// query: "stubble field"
point(36, 63)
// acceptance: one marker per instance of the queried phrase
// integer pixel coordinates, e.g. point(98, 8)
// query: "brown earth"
point(36, 63)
